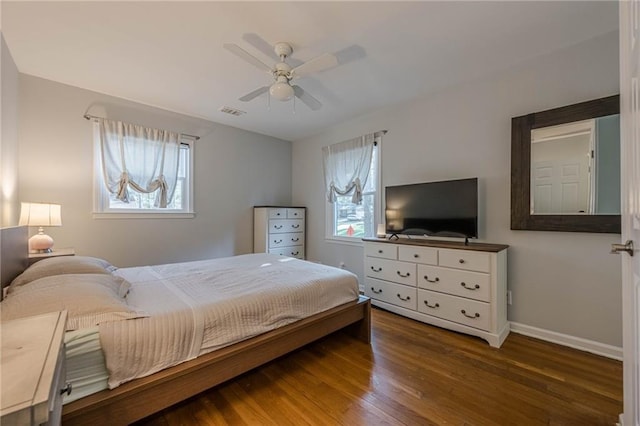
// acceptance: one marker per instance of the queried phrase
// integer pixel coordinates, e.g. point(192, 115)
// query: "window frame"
point(330, 210)
point(101, 209)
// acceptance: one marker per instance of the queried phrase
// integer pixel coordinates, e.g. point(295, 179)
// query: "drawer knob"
point(437, 305)
point(403, 299)
point(277, 214)
point(416, 255)
point(376, 270)
point(475, 287)
point(403, 276)
point(66, 389)
point(477, 315)
point(376, 291)
point(461, 261)
point(380, 251)
point(426, 277)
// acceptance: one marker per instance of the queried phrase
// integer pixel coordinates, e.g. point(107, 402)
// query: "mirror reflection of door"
point(575, 168)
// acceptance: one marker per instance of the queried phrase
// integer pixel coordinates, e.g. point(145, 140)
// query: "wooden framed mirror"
point(552, 192)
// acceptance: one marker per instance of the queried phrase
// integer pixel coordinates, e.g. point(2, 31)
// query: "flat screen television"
point(447, 208)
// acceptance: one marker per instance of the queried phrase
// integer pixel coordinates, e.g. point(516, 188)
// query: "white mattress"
point(197, 307)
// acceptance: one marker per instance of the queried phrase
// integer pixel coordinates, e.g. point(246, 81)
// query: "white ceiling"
point(170, 54)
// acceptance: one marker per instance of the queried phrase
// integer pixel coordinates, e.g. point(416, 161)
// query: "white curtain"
point(139, 158)
point(346, 167)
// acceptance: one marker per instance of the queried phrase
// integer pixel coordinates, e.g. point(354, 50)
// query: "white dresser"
point(279, 230)
point(33, 370)
point(448, 284)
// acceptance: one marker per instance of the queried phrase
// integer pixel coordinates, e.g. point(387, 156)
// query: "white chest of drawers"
point(279, 230)
point(447, 284)
point(33, 370)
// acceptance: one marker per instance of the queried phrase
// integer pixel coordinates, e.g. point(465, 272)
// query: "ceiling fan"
point(283, 73)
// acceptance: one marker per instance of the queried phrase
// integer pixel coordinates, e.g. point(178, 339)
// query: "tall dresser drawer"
point(278, 213)
point(286, 239)
point(474, 285)
point(294, 251)
point(464, 259)
point(396, 294)
point(295, 213)
point(457, 309)
point(385, 251)
point(277, 226)
point(427, 255)
point(391, 270)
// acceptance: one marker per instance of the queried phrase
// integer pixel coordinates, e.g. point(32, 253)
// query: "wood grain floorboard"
point(414, 374)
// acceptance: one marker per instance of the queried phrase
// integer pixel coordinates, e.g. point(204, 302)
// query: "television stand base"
point(392, 236)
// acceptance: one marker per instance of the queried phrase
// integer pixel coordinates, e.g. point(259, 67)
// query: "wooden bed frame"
point(141, 397)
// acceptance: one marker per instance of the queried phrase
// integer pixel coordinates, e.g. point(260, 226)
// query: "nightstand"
point(33, 370)
point(34, 257)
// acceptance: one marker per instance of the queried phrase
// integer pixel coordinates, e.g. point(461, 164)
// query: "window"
point(138, 204)
point(348, 221)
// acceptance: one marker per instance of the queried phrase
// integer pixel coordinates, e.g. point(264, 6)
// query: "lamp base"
point(40, 243)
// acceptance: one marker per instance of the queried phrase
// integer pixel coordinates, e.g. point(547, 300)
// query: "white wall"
point(564, 282)
point(9, 205)
point(234, 170)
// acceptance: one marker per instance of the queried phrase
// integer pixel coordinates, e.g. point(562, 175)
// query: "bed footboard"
point(141, 397)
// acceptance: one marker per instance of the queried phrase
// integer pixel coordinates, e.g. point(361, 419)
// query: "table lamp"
point(40, 214)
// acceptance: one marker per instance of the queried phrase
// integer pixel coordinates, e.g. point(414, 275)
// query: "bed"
point(205, 358)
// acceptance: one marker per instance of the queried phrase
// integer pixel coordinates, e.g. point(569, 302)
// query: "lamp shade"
point(40, 214)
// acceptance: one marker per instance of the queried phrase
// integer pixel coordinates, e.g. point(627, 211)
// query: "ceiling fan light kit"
point(282, 89)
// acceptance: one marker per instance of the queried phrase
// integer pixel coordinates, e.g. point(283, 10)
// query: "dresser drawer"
point(295, 251)
point(457, 309)
point(391, 270)
point(295, 213)
point(385, 251)
point(464, 259)
point(278, 213)
point(286, 239)
point(277, 226)
point(418, 254)
point(474, 285)
point(396, 294)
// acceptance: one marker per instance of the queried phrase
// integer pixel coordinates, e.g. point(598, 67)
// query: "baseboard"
point(586, 345)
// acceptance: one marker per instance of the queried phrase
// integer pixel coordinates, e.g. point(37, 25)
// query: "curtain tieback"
point(122, 193)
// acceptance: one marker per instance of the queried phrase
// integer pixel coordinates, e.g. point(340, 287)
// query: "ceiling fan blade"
point(254, 94)
point(261, 44)
point(306, 98)
point(237, 50)
point(317, 64)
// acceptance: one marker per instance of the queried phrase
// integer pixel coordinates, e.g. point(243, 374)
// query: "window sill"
point(143, 215)
point(346, 241)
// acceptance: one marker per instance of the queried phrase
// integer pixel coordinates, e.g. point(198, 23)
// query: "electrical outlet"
point(509, 298)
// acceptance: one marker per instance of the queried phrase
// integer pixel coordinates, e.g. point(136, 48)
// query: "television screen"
point(447, 208)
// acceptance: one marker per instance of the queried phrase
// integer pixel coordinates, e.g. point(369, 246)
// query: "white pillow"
point(89, 299)
point(62, 265)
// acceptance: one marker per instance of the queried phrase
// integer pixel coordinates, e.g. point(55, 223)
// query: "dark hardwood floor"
point(414, 374)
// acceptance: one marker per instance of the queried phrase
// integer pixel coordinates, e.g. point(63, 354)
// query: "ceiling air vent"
point(232, 111)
